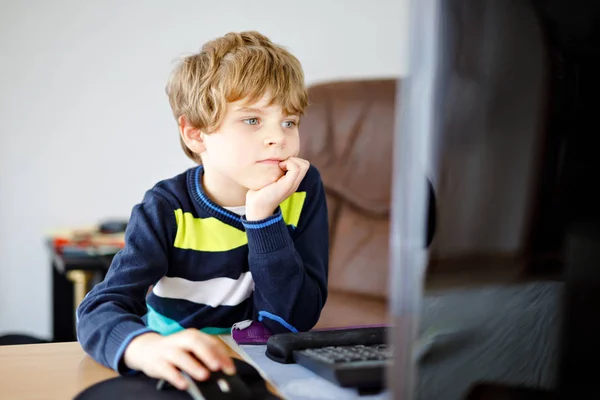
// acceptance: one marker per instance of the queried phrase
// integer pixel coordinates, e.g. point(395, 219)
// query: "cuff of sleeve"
point(267, 235)
point(118, 340)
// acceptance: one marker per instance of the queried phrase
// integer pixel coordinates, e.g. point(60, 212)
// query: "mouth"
point(270, 161)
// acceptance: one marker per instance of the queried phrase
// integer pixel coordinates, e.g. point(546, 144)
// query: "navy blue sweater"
point(209, 268)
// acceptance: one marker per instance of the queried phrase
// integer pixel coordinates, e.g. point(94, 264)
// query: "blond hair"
point(233, 67)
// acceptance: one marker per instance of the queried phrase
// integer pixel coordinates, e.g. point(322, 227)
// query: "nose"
point(275, 137)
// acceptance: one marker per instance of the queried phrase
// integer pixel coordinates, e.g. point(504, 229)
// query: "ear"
point(191, 136)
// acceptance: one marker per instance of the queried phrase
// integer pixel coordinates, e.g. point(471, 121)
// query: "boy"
point(244, 235)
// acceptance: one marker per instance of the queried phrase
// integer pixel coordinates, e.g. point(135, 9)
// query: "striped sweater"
point(209, 268)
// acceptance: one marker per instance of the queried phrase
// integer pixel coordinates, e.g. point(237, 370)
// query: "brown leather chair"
point(347, 133)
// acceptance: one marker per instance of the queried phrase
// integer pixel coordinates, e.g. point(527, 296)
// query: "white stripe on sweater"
point(213, 292)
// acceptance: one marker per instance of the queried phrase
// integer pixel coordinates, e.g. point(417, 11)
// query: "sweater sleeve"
point(290, 271)
point(110, 315)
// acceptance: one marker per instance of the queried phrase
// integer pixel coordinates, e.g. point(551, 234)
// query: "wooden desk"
point(55, 371)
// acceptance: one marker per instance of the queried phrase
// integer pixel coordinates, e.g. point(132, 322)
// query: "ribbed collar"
point(201, 198)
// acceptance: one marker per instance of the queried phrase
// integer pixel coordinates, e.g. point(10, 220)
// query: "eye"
point(289, 124)
point(250, 121)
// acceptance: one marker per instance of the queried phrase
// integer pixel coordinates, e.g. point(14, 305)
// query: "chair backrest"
point(347, 134)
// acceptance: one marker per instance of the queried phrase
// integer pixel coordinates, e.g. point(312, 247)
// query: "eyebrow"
point(250, 109)
point(259, 111)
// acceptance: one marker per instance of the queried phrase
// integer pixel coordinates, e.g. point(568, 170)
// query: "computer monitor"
point(494, 112)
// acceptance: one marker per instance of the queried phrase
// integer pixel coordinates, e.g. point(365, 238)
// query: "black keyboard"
point(348, 366)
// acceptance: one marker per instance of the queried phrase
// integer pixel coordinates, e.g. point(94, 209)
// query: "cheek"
point(294, 145)
point(229, 150)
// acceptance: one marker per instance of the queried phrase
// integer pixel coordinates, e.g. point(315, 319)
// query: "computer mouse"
point(218, 386)
point(247, 384)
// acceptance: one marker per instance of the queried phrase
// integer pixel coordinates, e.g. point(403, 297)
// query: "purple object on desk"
point(255, 333)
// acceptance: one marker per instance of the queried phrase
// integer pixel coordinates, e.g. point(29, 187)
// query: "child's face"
point(250, 143)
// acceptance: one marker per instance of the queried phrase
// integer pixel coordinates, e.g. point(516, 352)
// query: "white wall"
point(85, 126)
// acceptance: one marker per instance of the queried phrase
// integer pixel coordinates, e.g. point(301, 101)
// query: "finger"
point(302, 166)
point(299, 175)
point(211, 352)
point(293, 166)
point(219, 349)
point(173, 376)
point(292, 170)
point(226, 361)
point(300, 162)
point(190, 364)
point(283, 164)
point(287, 164)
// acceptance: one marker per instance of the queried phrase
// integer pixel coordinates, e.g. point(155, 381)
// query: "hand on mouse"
point(261, 203)
point(192, 351)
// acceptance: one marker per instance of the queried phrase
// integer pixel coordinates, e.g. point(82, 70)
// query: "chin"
point(263, 179)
